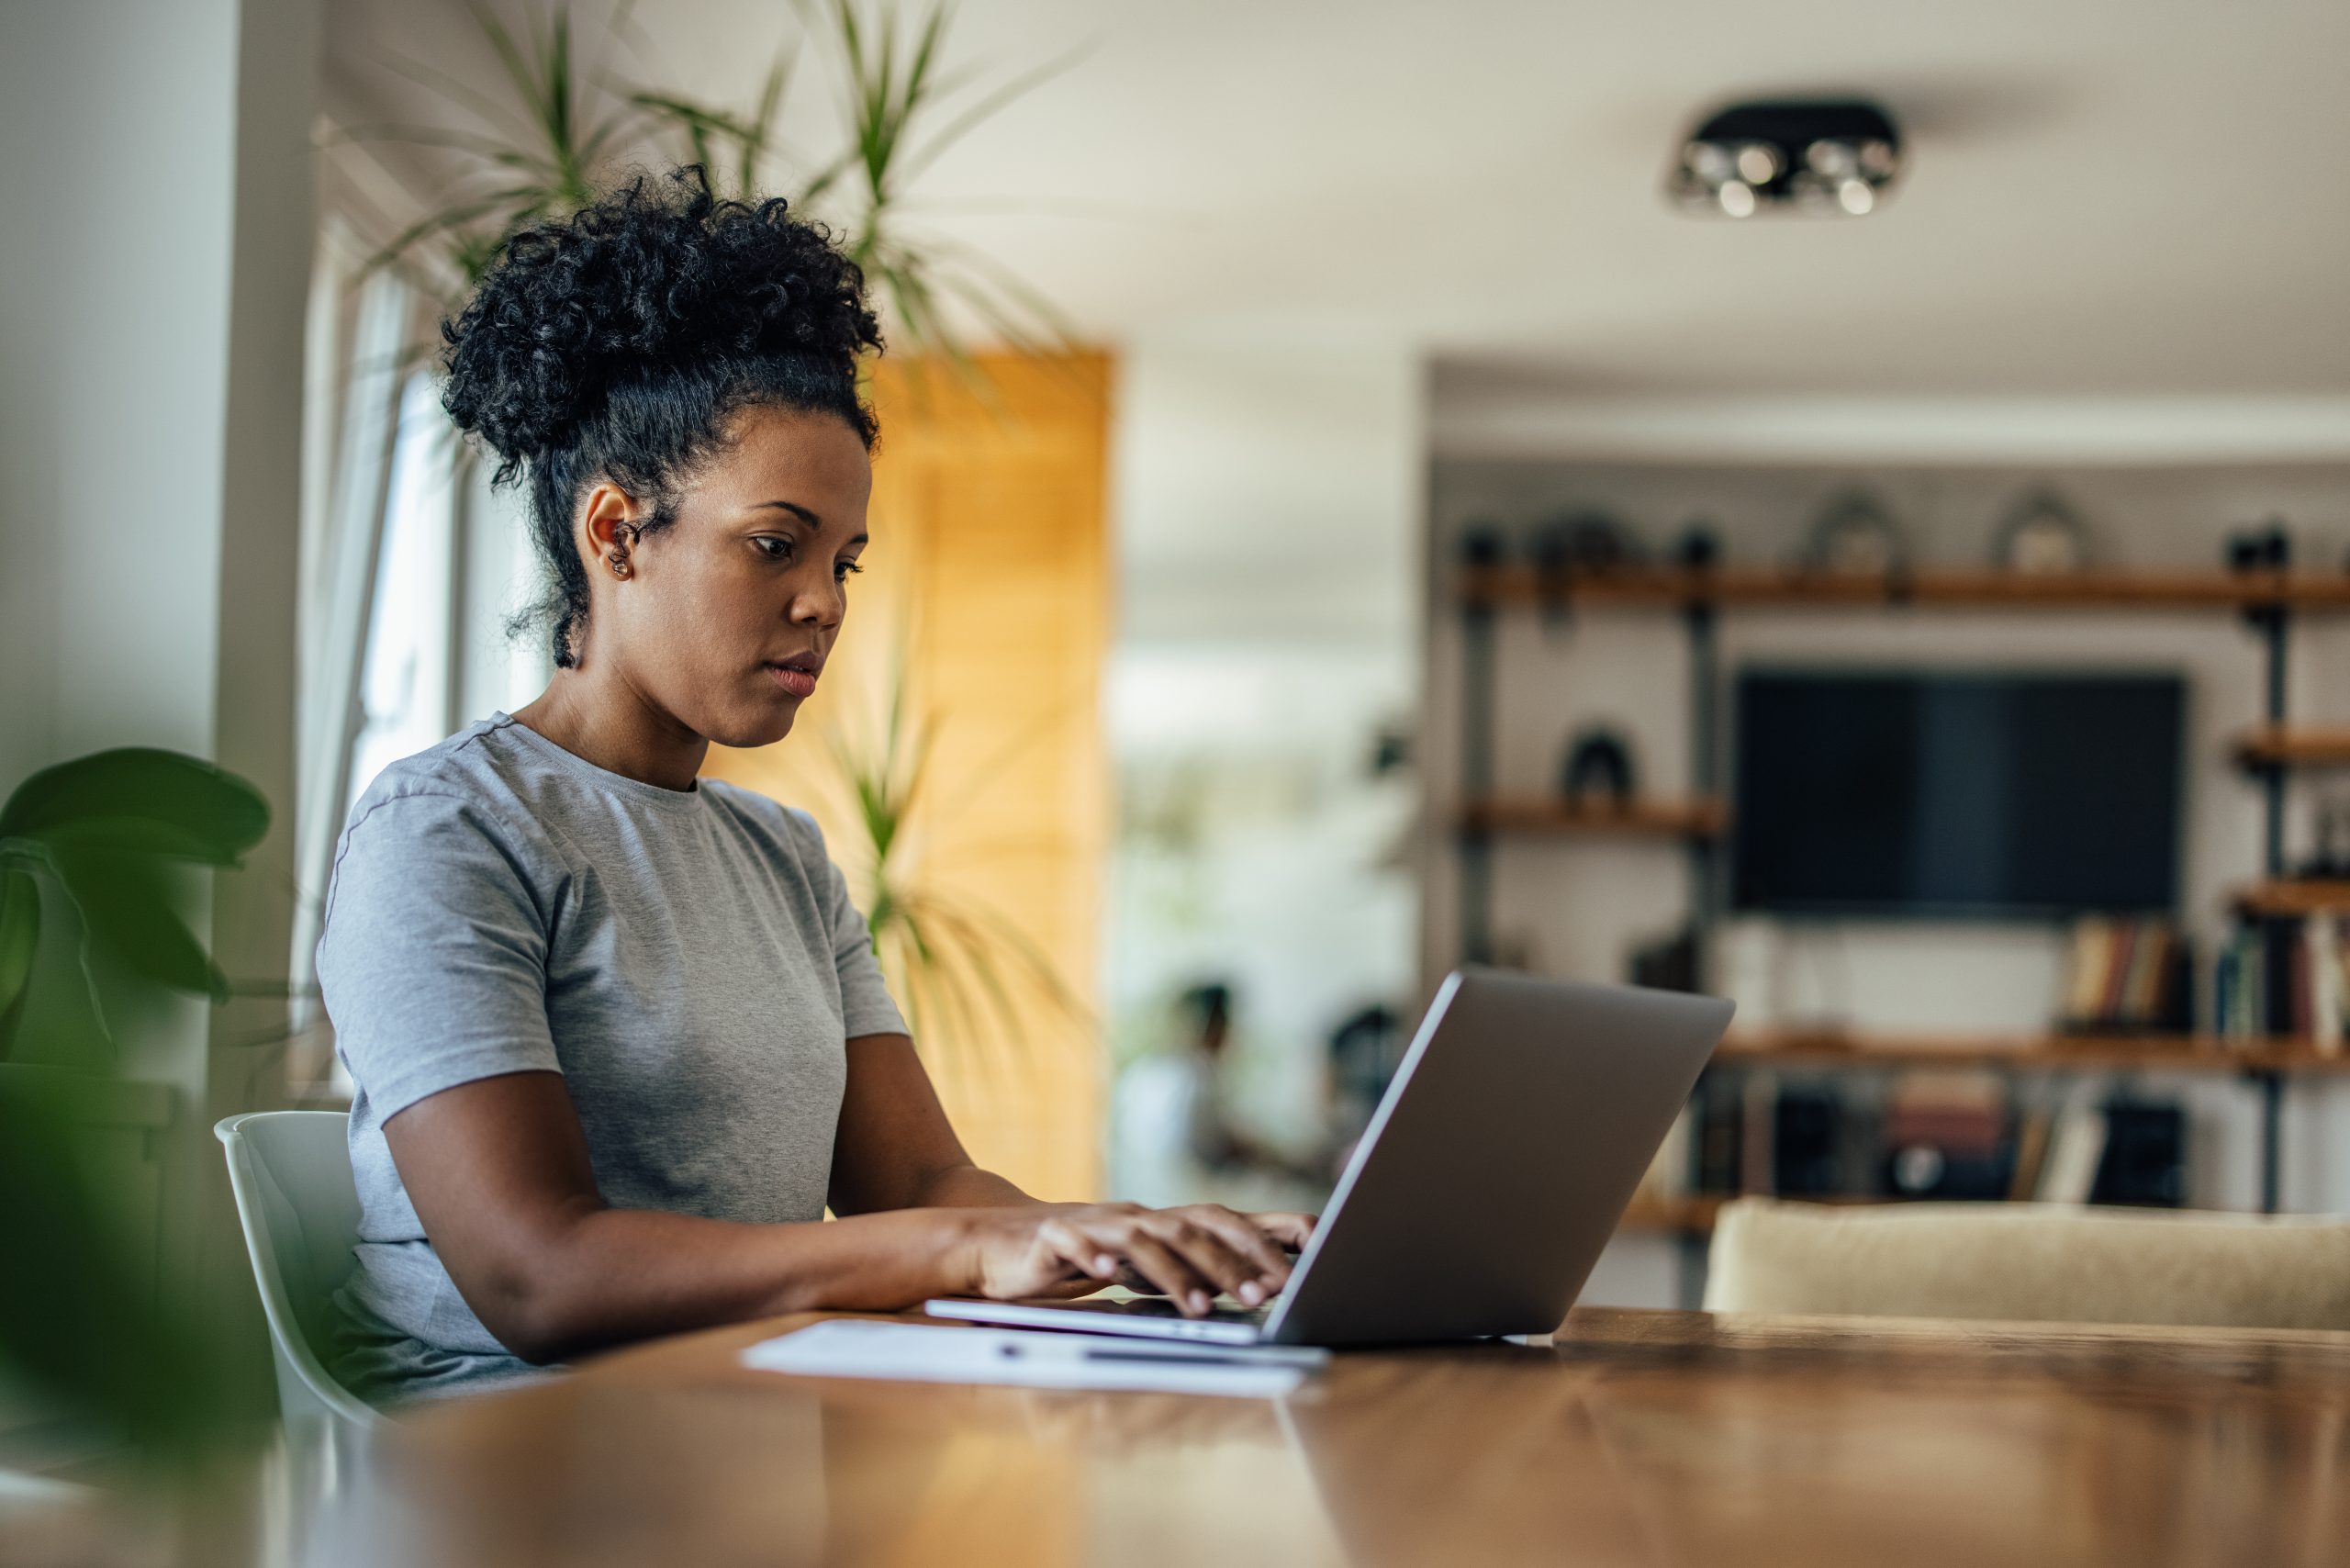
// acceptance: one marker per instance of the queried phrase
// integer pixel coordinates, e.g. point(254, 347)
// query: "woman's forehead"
point(785, 454)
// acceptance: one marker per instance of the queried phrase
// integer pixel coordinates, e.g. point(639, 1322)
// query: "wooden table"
point(1632, 1438)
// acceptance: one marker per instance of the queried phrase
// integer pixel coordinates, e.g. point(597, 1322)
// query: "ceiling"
point(2104, 200)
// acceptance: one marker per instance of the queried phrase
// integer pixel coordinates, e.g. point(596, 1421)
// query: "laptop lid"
point(1497, 1164)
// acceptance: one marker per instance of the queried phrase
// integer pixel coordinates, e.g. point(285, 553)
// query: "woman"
point(617, 1033)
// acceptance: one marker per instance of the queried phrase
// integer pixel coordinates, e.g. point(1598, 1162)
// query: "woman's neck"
point(601, 718)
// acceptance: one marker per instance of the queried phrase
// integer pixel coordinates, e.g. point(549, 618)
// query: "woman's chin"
point(764, 726)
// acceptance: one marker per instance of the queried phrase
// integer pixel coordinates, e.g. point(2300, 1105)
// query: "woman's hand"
point(1189, 1253)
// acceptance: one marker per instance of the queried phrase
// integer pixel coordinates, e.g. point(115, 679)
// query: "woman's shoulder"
point(476, 776)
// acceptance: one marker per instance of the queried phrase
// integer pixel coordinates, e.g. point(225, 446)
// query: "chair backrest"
point(291, 1173)
point(2048, 1262)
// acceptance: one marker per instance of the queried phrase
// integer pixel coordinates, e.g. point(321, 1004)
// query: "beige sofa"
point(2031, 1261)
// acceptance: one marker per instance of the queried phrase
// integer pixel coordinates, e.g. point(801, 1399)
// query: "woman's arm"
point(499, 1173)
point(895, 1149)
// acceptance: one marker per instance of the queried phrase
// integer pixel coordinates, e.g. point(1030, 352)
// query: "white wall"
point(153, 270)
point(1581, 906)
point(1267, 497)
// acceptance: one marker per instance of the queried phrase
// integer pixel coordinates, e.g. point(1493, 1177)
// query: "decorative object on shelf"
point(1393, 745)
point(1579, 543)
point(1831, 157)
point(1670, 963)
point(1583, 543)
point(1699, 548)
point(1515, 950)
point(2268, 548)
point(2331, 861)
point(2145, 1161)
point(1944, 1136)
point(1598, 762)
point(1855, 534)
point(2043, 535)
point(1485, 543)
point(1807, 1138)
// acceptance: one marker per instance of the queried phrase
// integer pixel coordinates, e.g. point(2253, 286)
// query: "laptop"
point(1493, 1172)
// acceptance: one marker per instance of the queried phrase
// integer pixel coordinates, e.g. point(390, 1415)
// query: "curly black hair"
point(614, 343)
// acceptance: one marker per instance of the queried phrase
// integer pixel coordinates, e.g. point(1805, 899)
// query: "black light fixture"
point(1830, 156)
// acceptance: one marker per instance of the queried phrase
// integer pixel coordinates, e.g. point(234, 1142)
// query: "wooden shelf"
point(2026, 1053)
point(1686, 1216)
point(1556, 814)
point(1693, 1214)
point(2283, 746)
point(2294, 897)
point(1952, 587)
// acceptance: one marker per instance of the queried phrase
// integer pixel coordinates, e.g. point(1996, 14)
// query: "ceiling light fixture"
point(1833, 157)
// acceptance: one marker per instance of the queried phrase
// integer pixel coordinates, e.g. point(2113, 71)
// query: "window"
point(407, 673)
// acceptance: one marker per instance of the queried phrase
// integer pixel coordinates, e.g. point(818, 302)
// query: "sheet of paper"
point(922, 1352)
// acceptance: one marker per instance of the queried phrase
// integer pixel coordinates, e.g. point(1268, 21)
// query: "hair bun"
point(658, 276)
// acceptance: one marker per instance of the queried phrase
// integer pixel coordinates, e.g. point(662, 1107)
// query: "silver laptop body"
point(1491, 1176)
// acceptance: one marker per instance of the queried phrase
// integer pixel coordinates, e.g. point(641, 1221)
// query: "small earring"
point(619, 564)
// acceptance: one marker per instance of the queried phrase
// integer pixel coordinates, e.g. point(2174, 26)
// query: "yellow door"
point(988, 577)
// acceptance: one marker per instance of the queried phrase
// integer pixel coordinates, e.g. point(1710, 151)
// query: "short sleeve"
point(866, 1004)
point(432, 957)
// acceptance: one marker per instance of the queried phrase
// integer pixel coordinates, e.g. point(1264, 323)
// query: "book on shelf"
point(2129, 974)
point(2076, 1148)
point(2031, 1155)
point(1934, 1134)
point(2285, 978)
point(1667, 1177)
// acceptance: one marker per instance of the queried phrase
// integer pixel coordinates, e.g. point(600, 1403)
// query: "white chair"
point(291, 1173)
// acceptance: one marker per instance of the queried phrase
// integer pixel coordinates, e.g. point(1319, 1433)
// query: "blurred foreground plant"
point(92, 850)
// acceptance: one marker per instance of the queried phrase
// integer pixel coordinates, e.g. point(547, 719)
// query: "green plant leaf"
point(19, 940)
point(76, 1323)
point(125, 902)
point(211, 809)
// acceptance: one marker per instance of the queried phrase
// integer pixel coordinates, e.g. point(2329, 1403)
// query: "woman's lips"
point(799, 682)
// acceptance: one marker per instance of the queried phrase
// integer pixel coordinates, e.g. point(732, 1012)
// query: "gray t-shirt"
point(688, 960)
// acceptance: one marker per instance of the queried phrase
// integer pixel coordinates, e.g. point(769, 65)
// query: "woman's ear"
point(610, 522)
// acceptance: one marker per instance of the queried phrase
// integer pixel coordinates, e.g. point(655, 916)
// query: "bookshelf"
point(1539, 814)
point(1694, 1216)
point(2295, 899)
point(2027, 1053)
point(2284, 746)
point(1954, 587)
point(1488, 818)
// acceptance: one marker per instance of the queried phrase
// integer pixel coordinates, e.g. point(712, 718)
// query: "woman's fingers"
point(1070, 1245)
point(1292, 1230)
point(1191, 1254)
point(1204, 1244)
point(1267, 1268)
point(1186, 1286)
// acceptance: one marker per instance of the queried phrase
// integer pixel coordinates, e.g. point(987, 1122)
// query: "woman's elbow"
point(534, 1322)
point(534, 1301)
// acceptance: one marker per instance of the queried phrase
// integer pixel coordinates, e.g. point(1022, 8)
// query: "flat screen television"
point(1957, 792)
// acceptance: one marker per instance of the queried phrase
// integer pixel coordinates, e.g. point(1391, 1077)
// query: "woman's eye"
point(773, 547)
point(841, 572)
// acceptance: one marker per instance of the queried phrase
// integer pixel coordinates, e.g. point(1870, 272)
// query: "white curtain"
point(354, 412)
